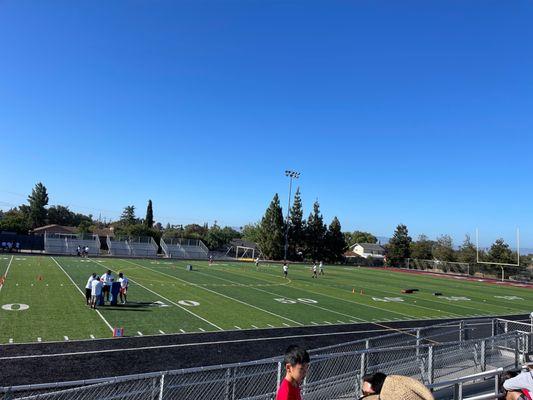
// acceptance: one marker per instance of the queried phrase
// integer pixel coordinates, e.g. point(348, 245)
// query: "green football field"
point(42, 298)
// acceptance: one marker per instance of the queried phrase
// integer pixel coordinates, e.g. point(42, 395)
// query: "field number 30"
point(290, 301)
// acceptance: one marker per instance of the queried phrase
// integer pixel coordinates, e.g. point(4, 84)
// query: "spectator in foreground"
point(520, 386)
point(372, 383)
point(296, 362)
point(396, 387)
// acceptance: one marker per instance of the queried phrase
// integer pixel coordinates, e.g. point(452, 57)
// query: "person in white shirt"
point(314, 270)
point(96, 292)
point(88, 288)
point(86, 251)
point(257, 262)
point(107, 280)
point(285, 270)
point(515, 386)
point(124, 282)
point(321, 268)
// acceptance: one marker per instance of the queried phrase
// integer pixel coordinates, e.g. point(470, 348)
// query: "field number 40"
point(290, 301)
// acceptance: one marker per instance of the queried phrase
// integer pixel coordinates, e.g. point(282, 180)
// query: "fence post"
point(430, 365)
point(516, 352)
point(458, 391)
point(278, 381)
point(228, 382)
point(493, 327)
point(461, 331)
point(418, 343)
point(161, 385)
point(483, 356)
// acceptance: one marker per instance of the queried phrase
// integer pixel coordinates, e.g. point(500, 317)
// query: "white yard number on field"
point(509, 297)
point(290, 301)
point(189, 303)
point(388, 299)
point(455, 298)
point(15, 307)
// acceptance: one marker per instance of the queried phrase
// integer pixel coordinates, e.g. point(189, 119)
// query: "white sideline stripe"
point(5, 276)
point(92, 336)
point(65, 337)
point(169, 346)
point(83, 294)
point(220, 294)
point(161, 332)
point(172, 302)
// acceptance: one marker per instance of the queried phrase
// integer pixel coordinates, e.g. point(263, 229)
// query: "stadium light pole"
point(292, 175)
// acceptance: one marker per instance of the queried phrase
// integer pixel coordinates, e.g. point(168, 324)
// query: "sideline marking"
point(195, 344)
point(83, 294)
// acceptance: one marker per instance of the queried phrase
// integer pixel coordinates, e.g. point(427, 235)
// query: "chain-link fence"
point(334, 371)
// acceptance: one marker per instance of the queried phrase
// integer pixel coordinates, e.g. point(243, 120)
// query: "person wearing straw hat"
point(398, 387)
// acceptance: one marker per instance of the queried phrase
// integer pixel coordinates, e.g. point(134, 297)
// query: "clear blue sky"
point(415, 112)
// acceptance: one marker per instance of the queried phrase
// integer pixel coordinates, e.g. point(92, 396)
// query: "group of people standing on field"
point(82, 251)
point(316, 271)
point(98, 288)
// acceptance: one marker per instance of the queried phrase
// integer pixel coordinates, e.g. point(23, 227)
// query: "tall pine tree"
point(335, 241)
point(128, 215)
point(272, 231)
point(296, 228)
point(315, 234)
point(399, 249)
point(149, 220)
point(38, 199)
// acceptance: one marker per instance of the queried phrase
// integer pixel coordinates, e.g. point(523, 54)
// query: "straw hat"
point(398, 387)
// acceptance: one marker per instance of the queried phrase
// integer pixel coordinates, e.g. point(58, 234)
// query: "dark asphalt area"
point(22, 364)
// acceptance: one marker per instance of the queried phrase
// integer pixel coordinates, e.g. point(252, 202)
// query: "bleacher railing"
point(332, 374)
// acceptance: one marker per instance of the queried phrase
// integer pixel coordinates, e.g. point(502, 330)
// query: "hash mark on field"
point(39, 339)
point(314, 323)
point(286, 324)
point(201, 329)
point(182, 331)
point(161, 332)
point(92, 336)
point(139, 333)
point(355, 322)
point(66, 337)
point(255, 327)
point(327, 322)
point(272, 326)
point(238, 327)
point(340, 321)
point(10, 340)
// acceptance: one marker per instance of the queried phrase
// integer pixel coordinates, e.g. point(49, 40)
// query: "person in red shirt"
point(296, 362)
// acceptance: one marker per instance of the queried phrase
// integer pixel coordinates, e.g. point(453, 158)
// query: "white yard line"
point(7, 270)
point(277, 294)
point(217, 293)
point(174, 303)
point(83, 294)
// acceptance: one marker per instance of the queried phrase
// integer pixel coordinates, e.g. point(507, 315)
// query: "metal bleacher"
point(58, 243)
point(118, 246)
point(132, 246)
point(143, 246)
point(184, 248)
